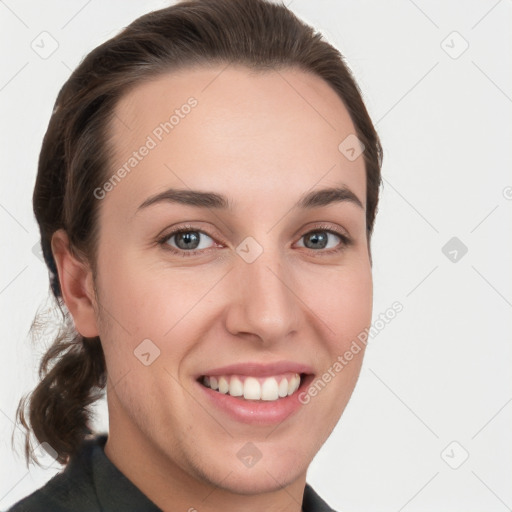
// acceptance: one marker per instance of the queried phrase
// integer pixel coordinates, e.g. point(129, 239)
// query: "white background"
point(439, 372)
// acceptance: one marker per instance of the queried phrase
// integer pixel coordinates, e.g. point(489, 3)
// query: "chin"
point(271, 472)
point(253, 481)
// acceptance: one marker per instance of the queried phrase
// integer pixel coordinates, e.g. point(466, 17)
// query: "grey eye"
point(319, 239)
point(188, 240)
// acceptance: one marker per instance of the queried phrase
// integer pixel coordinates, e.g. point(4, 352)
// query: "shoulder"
point(70, 490)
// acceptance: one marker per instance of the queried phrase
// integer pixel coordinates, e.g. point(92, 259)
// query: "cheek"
point(143, 310)
point(344, 302)
point(147, 300)
point(343, 299)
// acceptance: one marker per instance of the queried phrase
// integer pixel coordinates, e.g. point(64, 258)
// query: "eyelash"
point(345, 241)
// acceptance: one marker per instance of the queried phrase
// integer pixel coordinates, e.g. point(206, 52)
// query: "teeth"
point(283, 388)
point(294, 384)
point(269, 390)
point(236, 387)
point(252, 388)
point(223, 385)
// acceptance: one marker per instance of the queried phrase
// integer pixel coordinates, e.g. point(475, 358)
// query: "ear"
point(76, 284)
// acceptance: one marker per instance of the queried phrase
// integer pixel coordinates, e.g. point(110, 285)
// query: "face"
point(259, 293)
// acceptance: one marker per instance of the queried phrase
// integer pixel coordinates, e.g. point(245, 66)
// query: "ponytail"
point(72, 377)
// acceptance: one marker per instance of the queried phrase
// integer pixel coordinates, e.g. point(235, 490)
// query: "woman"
point(206, 195)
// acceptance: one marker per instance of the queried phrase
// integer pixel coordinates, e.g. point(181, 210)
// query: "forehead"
point(228, 127)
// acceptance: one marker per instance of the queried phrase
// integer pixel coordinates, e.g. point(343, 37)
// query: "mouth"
point(253, 393)
point(253, 388)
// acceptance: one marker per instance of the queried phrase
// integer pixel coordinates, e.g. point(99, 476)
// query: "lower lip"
point(257, 412)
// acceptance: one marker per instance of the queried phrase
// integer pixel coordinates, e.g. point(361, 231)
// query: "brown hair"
point(74, 161)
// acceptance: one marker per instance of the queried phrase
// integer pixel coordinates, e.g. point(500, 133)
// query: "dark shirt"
point(91, 483)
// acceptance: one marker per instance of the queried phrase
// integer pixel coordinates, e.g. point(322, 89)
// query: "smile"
point(246, 387)
point(255, 393)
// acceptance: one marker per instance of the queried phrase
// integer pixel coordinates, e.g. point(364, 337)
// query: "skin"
point(263, 140)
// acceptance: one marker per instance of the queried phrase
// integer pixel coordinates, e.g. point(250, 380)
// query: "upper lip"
point(259, 369)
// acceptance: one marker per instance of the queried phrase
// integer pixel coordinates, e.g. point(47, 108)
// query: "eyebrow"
point(200, 199)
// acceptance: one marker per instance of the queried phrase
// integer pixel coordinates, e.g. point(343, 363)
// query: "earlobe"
point(75, 279)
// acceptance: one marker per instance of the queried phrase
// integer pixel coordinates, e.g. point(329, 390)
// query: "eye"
point(322, 239)
point(186, 241)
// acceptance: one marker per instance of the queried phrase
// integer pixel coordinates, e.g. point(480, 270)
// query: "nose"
point(265, 300)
